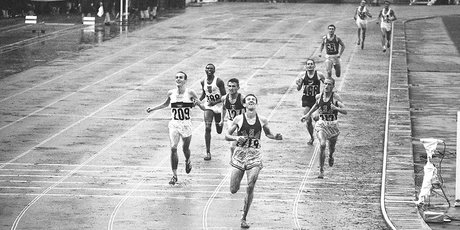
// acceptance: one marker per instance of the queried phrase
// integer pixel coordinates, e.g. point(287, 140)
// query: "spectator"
point(86, 8)
point(153, 4)
point(143, 9)
point(4, 5)
point(108, 4)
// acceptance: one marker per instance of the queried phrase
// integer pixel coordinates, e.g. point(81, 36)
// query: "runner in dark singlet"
point(247, 156)
point(334, 50)
point(311, 83)
point(328, 104)
point(232, 106)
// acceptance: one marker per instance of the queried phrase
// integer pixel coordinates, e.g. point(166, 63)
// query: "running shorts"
point(217, 108)
point(361, 23)
point(385, 26)
point(334, 58)
point(330, 128)
point(308, 101)
point(246, 158)
point(178, 128)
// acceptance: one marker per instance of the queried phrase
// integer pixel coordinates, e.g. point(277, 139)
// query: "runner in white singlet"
point(181, 101)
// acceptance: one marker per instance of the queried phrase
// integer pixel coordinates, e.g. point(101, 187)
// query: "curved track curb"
point(399, 193)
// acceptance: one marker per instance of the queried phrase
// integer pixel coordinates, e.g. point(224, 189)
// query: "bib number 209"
point(181, 113)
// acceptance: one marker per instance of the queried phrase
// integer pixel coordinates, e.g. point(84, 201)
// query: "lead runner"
point(328, 104)
point(247, 156)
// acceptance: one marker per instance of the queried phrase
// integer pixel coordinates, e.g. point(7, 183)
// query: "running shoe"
point(310, 142)
point(359, 42)
point(207, 157)
point(173, 180)
point(384, 49)
point(188, 166)
point(321, 175)
point(244, 224)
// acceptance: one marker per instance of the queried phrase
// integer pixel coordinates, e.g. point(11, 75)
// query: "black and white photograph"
point(229, 114)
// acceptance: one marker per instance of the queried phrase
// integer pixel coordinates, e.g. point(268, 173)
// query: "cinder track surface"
point(78, 150)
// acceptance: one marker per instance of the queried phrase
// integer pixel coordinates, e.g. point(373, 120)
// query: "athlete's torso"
point(234, 109)
point(181, 105)
point(386, 14)
point(362, 12)
point(211, 90)
point(311, 85)
point(325, 111)
point(331, 44)
point(251, 132)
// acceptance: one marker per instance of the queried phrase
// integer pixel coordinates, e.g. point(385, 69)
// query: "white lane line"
point(118, 174)
point(117, 196)
point(302, 186)
point(212, 197)
point(214, 193)
point(11, 27)
point(205, 182)
point(99, 167)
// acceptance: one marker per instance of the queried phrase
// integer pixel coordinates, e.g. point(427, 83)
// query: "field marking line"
point(302, 185)
point(214, 193)
point(117, 196)
point(211, 198)
point(202, 182)
point(131, 166)
point(10, 27)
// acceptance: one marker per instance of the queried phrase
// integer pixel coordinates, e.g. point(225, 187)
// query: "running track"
point(79, 151)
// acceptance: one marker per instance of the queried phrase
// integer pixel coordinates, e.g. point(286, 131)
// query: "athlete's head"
point(233, 85)
point(210, 69)
point(331, 29)
point(181, 78)
point(363, 2)
point(310, 64)
point(387, 3)
point(250, 101)
point(329, 84)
